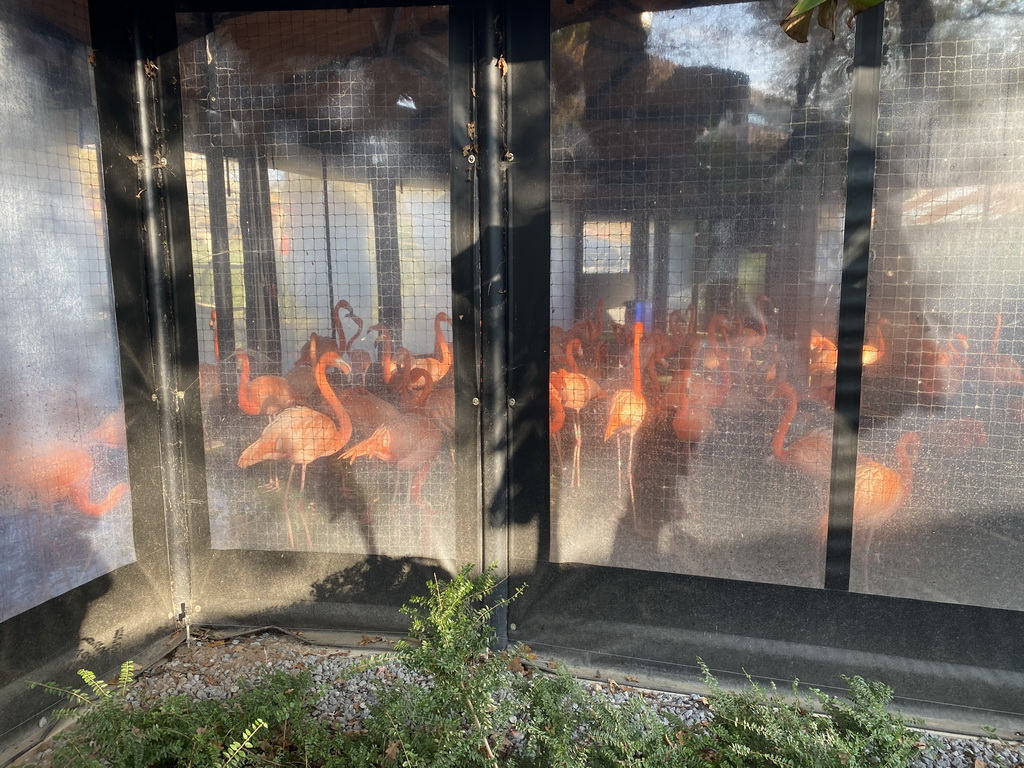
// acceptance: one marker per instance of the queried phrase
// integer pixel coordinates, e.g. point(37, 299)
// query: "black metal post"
point(465, 285)
point(262, 316)
point(528, 161)
point(220, 256)
point(489, 36)
point(867, 61)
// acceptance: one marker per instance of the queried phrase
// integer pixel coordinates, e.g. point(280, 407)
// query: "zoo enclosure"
point(197, 179)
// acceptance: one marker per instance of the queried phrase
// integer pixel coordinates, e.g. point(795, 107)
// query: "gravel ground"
point(210, 668)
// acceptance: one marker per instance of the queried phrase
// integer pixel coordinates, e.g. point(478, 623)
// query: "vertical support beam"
point(489, 41)
point(262, 314)
point(529, 268)
point(329, 254)
point(220, 256)
point(465, 284)
point(860, 181)
point(143, 181)
point(384, 191)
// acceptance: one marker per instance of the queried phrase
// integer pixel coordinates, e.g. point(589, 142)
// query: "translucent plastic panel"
point(698, 189)
point(318, 181)
point(944, 405)
point(65, 515)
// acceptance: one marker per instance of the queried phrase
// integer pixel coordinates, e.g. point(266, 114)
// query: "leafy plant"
point(453, 701)
point(760, 727)
point(180, 731)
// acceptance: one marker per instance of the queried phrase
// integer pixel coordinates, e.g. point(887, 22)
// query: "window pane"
point(65, 513)
point(698, 189)
point(944, 405)
point(319, 197)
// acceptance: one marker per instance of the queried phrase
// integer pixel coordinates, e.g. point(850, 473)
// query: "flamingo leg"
point(618, 460)
point(557, 440)
point(284, 506)
point(302, 506)
point(629, 472)
point(415, 497)
point(575, 480)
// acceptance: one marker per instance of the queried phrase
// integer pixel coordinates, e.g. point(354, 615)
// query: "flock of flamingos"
point(400, 408)
point(681, 379)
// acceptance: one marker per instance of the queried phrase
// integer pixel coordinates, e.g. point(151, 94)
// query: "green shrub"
point(463, 704)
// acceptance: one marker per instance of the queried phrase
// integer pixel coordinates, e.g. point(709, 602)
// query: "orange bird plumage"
point(301, 435)
point(437, 367)
point(264, 395)
point(627, 409)
point(1000, 370)
point(359, 358)
point(809, 454)
point(58, 473)
point(411, 442)
point(576, 390)
point(881, 491)
point(691, 422)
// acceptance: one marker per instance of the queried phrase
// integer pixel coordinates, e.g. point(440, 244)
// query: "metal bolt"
point(471, 159)
point(511, 402)
point(512, 627)
point(476, 401)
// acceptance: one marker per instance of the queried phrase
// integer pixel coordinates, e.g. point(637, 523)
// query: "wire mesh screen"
point(698, 185)
point(939, 513)
point(318, 181)
point(65, 516)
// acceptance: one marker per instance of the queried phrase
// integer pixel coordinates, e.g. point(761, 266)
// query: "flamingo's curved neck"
point(779, 439)
point(570, 356)
point(717, 328)
point(336, 322)
point(333, 360)
point(638, 332)
point(417, 398)
point(444, 349)
point(359, 331)
point(216, 341)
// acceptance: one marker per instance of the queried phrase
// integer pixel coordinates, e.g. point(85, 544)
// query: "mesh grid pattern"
point(65, 515)
point(334, 135)
point(699, 191)
point(946, 294)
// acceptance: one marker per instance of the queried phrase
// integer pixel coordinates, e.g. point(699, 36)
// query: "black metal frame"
point(600, 618)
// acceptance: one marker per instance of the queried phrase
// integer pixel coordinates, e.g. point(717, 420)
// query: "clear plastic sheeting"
point(318, 151)
point(944, 404)
point(697, 221)
point(65, 513)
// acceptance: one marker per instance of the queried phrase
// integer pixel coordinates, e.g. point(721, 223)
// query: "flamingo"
point(437, 367)
point(411, 442)
point(881, 491)
point(110, 432)
point(366, 411)
point(1000, 370)
point(58, 473)
point(691, 422)
point(626, 413)
point(359, 358)
point(301, 435)
point(701, 389)
point(209, 373)
point(266, 395)
point(388, 363)
point(810, 454)
point(556, 419)
point(744, 341)
point(577, 390)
